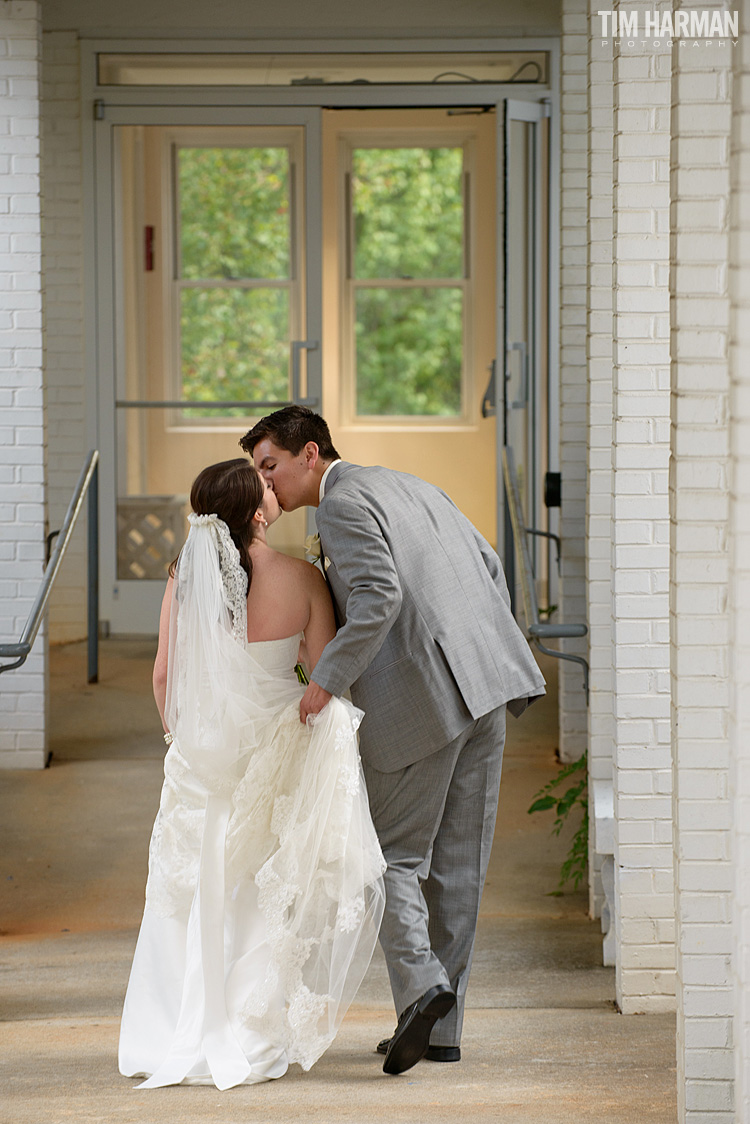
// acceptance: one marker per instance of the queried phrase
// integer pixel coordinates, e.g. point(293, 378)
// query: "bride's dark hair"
point(234, 491)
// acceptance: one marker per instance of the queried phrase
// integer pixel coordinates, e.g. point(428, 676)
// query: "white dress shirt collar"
point(322, 491)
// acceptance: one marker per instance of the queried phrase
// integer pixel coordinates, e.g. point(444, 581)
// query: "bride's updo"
point(234, 491)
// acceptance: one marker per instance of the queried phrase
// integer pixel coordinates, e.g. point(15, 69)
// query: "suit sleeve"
point(357, 548)
point(493, 564)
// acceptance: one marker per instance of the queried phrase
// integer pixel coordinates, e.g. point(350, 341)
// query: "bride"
point(264, 893)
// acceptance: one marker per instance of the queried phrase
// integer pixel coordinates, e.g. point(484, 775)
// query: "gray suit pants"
point(435, 820)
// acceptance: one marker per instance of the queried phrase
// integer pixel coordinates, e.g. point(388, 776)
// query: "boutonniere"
point(314, 552)
point(312, 548)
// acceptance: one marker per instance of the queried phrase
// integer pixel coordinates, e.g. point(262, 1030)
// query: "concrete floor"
point(543, 1041)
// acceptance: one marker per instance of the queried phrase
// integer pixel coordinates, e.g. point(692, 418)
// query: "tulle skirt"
point(263, 904)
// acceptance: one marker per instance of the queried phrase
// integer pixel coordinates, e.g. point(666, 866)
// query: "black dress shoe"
point(434, 1053)
point(411, 1038)
point(443, 1054)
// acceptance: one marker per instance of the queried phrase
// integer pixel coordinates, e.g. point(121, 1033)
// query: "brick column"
point(22, 510)
point(739, 525)
point(573, 367)
point(600, 429)
point(699, 625)
point(62, 266)
point(644, 891)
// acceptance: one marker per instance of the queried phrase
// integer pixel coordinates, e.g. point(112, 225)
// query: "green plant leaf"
point(542, 804)
point(574, 866)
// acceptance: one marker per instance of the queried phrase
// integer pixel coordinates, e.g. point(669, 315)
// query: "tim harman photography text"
point(669, 25)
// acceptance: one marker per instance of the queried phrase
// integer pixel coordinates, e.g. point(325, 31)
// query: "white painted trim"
point(185, 45)
point(344, 97)
point(553, 299)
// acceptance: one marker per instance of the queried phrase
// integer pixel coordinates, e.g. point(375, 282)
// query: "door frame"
point(104, 107)
point(130, 606)
point(543, 443)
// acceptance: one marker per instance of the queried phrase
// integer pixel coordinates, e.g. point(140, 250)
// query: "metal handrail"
point(537, 630)
point(87, 482)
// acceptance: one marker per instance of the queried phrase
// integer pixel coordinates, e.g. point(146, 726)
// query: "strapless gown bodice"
point(277, 657)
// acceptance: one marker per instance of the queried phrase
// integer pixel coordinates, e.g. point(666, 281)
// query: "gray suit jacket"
point(426, 639)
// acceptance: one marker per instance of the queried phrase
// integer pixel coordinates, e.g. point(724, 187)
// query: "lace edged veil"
point(214, 687)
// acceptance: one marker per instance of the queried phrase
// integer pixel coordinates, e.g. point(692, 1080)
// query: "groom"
point(432, 654)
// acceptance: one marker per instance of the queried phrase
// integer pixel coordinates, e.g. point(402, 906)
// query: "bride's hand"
point(313, 701)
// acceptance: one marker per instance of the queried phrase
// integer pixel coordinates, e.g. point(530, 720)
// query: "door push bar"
point(297, 347)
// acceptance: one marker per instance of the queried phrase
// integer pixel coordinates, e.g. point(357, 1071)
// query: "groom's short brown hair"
point(291, 428)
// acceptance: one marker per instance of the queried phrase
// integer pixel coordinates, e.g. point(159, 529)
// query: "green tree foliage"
point(234, 213)
point(409, 351)
point(234, 207)
point(408, 225)
point(234, 227)
point(408, 212)
point(234, 345)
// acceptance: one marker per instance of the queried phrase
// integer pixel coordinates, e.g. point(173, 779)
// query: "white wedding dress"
point(264, 893)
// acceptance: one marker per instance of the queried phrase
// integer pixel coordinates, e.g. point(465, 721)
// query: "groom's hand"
point(313, 701)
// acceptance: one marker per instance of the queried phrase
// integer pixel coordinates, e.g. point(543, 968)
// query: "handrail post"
point(22, 649)
point(93, 577)
point(509, 562)
point(536, 630)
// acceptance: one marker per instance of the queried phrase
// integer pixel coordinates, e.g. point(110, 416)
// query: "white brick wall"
point(62, 271)
point(573, 162)
point(644, 889)
point(22, 511)
point(600, 428)
point(699, 624)
point(739, 524)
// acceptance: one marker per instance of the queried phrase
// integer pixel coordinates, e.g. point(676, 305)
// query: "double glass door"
point(210, 222)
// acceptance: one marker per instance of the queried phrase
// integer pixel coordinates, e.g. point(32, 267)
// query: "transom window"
point(299, 69)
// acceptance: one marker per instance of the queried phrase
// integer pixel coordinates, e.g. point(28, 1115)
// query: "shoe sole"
point(434, 1053)
point(443, 1054)
point(414, 1042)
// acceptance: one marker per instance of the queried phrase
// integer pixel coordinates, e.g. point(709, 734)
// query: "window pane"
point(234, 213)
point(235, 346)
point(408, 212)
point(409, 351)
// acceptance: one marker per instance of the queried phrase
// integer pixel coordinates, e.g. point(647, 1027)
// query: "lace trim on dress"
point(233, 577)
point(315, 908)
point(299, 829)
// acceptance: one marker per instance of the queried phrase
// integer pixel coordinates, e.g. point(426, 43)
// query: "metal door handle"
point(297, 347)
point(488, 401)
